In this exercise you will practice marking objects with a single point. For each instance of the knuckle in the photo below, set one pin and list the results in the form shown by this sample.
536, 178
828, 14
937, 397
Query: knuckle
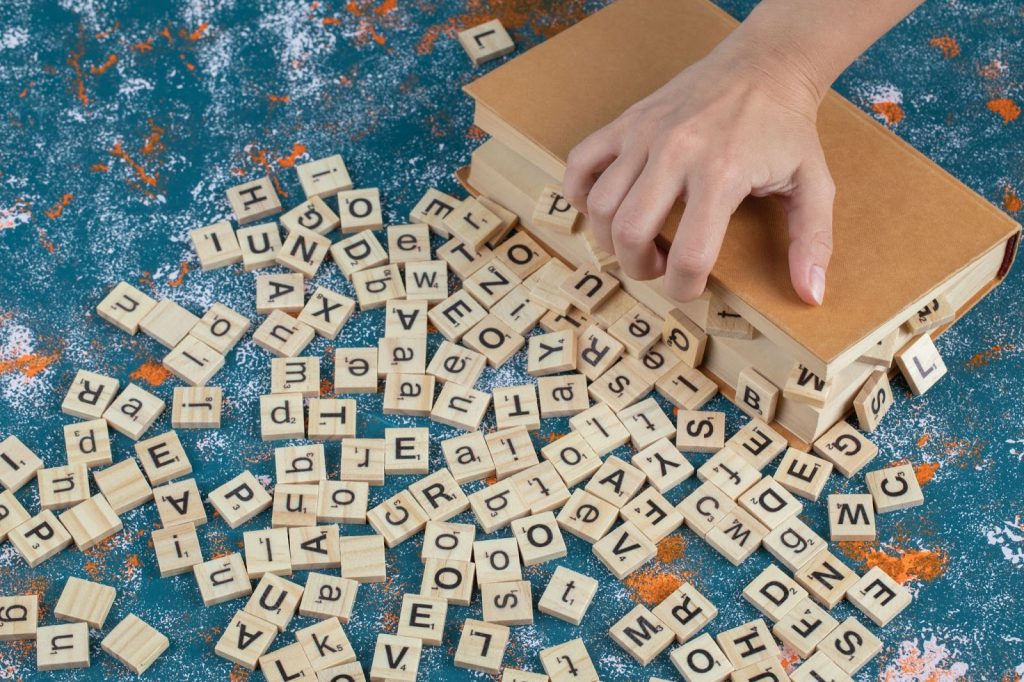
693, 262
628, 231
601, 205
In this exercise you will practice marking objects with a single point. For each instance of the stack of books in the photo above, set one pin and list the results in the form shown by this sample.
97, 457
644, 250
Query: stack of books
908, 237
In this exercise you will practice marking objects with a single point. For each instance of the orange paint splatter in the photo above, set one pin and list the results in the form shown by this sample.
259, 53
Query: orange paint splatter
902, 564
119, 152
281, 99
671, 548
57, 209
331, 21
99, 168
925, 472
385, 7
1007, 109
652, 585
75, 62
353, 9
30, 364
182, 271
24, 93
923, 440
947, 44
152, 372
166, 33
154, 141
1011, 201
298, 150
986, 356
326, 387
144, 46
105, 66
198, 33
475, 133
891, 112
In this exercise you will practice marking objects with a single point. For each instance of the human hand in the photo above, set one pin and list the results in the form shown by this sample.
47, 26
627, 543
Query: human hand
739, 122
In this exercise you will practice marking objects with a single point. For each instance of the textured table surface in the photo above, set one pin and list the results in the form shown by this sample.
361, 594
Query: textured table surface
123, 124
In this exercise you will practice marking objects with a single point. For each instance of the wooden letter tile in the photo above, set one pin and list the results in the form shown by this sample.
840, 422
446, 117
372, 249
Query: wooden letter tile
328, 596
83, 601
358, 252
568, 595
326, 645
624, 550
283, 335
245, 639
196, 407
819, 667
685, 387
89, 395
168, 323
456, 364
726, 322
177, 549
616, 482
396, 658
63, 487
222, 579
804, 626
398, 518
641, 634
482, 646
443, 540
803, 474
448, 579
125, 307
221, 328
638, 330
408, 243
846, 448
756, 396
850, 645
551, 353
793, 543
281, 416
554, 211
362, 558
280, 291
700, 431
324, 177
748, 644
497, 505
686, 611
472, 223
286, 664
20, 617
327, 312
377, 286
253, 200
539, 538
646, 422
423, 618
88, 443
267, 551
569, 660
39, 538
825, 578
355, 370
563, 396
935, 313
496, 561
587, 516
62, 647
12, 514
878, 596
894, 488
873, 400
240, 499
359, 209
342, 502
314, 547
769, 503
701, 660
509, 603
730, 472
494, 339
259, 245
294, 505
705, 507
133, 411
663, 465
456, 315
486, 41
313, 215
193, 362
275, 600
216, 246
921, 364
851, 517
180, 502
758, 443
736, 536
684, 337
652, 514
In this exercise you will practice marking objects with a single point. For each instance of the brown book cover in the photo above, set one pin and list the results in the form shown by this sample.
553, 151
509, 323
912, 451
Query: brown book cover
903, 226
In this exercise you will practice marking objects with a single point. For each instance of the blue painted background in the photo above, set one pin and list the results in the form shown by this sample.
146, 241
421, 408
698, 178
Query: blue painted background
123, 123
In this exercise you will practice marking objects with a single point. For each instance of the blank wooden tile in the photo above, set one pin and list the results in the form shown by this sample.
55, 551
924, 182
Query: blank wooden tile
456, 364
686, 611
275, 600
362, 558
135, 644
553, 210
313, 547
646, 422
177, 549
285, 664
663, 465
133, 411
246, 638
221, 328
551, 353
758, 443
376, 286
725, 322
497, 505
685, 387
652, 514
756, 396
769, 503
216, 246
193, 362
267, 551
850, 645
313, 214
259, 245
180, 502
624, 550
423, 618
700, 431
359, 252
803, 626
933, 314
90, 522
736, 536
894, 488
701, 660
12, 514
826, 578
294, 505
125, 307
253, 200
328, 596
362, 459
878, 596
282, 335
89, 395
342, 502
468, 457
300, 464
21, 617
873, 400
568, 595
168, 323
846, 448
482, 646
641, 634
569, 660
196, 407
803, 474
325, 644
398, 518
222, 579
494, 339
63, 487
705, 507
793, 543
539, 538
507, 603
819, 667
486, 41
281, 416
562, 396
587, 516
851, 518
496, 561
84, 601
396, 658
280, 291
240, 499
730, 472
684, 337
62, 647
748, 644
40, 538
88, 443
359, 209
324, 177
921, 364
327, 312
448, 579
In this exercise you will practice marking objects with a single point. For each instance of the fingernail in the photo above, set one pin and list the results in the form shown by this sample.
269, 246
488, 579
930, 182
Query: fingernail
818, 283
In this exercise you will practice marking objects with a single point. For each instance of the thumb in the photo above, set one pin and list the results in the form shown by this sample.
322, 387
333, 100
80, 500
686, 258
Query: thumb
809, 209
